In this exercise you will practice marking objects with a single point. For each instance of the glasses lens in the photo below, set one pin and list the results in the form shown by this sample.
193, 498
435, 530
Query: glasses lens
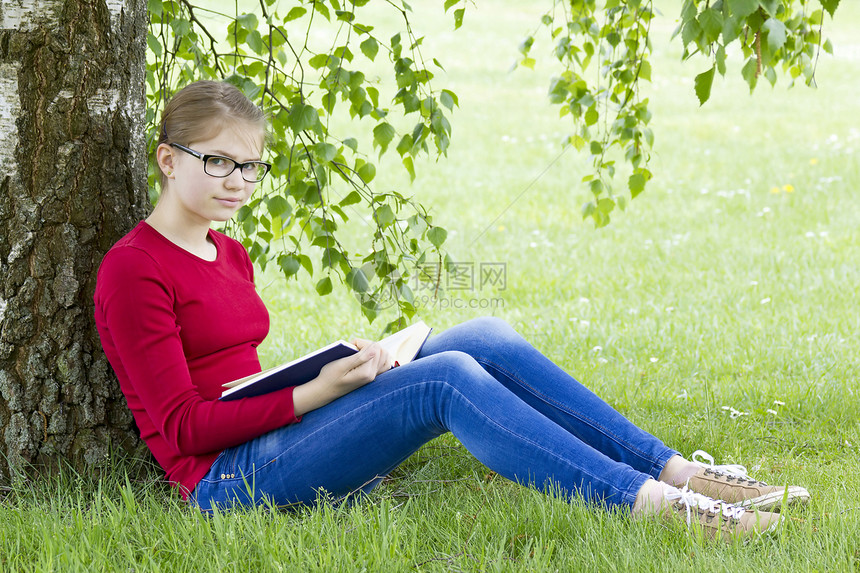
255, 171
219, 166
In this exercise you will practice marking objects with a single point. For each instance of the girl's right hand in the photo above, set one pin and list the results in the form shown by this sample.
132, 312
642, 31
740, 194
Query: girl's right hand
341, 377
359, 369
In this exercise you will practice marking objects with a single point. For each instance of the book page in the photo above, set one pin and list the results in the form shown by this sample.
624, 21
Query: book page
235, 383
403, 346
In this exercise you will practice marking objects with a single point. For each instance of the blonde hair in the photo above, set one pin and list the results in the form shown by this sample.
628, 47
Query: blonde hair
201, 110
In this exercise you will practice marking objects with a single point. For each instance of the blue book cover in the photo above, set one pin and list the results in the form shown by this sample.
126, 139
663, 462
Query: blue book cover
293, 373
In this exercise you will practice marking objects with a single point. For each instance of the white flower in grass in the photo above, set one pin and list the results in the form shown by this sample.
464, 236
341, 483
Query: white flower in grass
597, 349
765, 300
654, 359
733, 413
774, 412
778, 403
831, 179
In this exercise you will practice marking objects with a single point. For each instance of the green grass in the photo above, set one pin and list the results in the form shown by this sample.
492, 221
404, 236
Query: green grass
709, 292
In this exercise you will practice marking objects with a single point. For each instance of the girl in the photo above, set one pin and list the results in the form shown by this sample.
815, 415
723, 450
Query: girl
178, 316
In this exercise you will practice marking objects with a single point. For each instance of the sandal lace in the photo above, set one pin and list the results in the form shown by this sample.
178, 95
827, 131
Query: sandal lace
691, 500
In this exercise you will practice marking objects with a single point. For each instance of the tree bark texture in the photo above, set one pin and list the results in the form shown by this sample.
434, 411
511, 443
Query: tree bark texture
72, 182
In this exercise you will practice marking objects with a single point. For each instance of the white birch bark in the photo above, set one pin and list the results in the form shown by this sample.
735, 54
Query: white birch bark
72, 181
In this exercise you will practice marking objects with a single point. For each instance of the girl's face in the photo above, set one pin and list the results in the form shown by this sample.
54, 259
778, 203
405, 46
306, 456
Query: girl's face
198, 198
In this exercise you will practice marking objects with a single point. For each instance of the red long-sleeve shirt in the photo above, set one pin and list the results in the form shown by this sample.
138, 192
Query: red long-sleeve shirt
176, 327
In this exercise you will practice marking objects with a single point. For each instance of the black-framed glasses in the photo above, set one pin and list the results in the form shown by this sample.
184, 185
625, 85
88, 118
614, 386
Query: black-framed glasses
220, 166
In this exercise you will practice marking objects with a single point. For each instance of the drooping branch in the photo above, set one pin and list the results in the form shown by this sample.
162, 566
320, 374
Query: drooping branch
300, 210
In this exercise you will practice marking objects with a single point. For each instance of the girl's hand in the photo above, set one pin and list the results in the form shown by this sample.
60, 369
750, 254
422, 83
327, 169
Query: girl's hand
387, 363
359, 369
342, 377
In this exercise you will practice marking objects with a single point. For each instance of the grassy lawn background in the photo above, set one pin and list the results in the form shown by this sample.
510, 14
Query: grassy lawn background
729, 286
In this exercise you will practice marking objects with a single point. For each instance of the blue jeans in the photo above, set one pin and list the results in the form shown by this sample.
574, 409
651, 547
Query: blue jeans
510, 406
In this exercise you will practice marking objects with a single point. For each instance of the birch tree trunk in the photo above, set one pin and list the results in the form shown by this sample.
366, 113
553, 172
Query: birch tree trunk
72, 182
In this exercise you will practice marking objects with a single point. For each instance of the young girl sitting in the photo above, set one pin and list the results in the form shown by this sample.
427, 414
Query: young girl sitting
179, 316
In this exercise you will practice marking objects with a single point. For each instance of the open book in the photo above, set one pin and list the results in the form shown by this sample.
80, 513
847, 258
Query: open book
402, 346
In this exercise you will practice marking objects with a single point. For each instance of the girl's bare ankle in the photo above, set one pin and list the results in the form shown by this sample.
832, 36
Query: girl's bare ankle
651, 498
677, 471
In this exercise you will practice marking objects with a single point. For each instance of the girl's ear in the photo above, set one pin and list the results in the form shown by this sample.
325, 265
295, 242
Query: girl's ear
165, 157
